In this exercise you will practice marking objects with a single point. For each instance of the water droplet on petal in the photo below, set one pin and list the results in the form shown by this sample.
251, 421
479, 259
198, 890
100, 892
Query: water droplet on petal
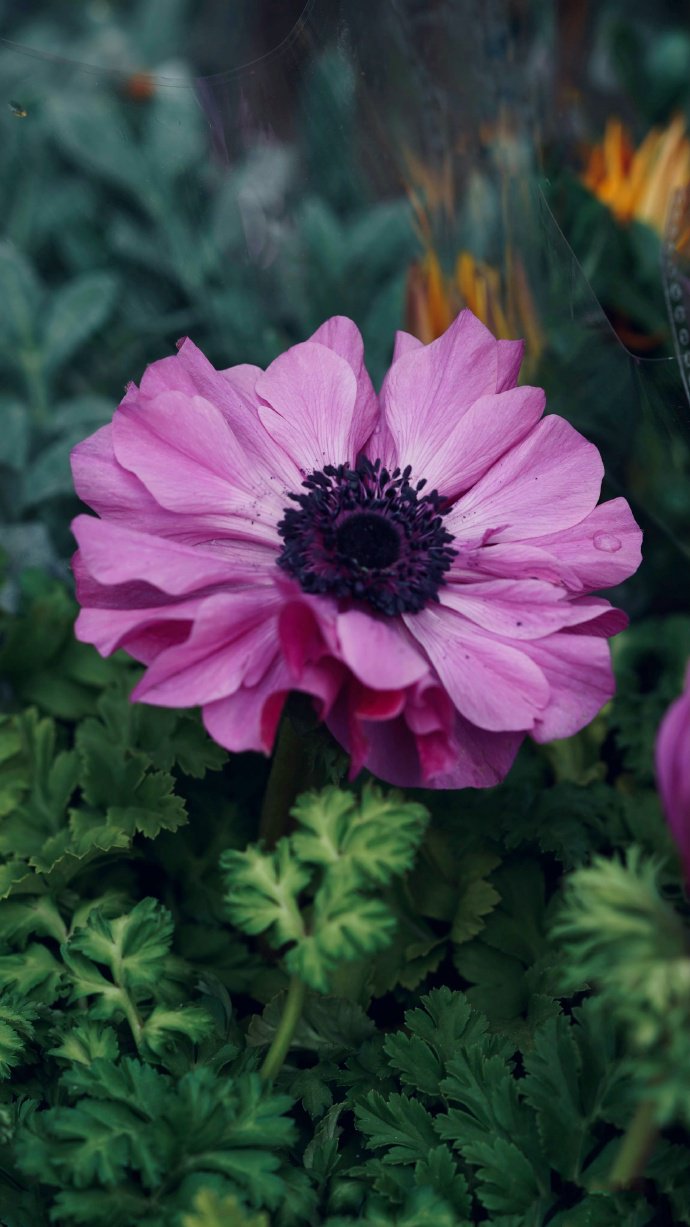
607, 542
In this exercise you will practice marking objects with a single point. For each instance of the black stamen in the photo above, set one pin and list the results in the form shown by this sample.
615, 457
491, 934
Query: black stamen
368, 534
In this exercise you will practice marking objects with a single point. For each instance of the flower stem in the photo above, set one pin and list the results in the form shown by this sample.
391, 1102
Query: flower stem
635, 1148
286, 777
286, 1029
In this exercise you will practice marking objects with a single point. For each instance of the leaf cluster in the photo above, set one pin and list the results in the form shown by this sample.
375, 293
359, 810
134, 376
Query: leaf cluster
316, 893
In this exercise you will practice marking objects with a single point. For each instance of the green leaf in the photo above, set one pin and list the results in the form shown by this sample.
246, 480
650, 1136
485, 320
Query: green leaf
166, 1028
330, 1026
423, 1208
263, 890
34, 972
343, 922
87, 1042
14, 433
573, 1078
95, 136
398, 1123
21, 293
17, 1018
212, 1210
34, 916
76, 311
346, 927
440, 1172
378, 837
133, 948
506, 1178
432, 1036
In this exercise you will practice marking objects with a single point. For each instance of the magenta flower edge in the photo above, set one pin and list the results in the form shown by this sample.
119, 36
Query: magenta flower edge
673, 771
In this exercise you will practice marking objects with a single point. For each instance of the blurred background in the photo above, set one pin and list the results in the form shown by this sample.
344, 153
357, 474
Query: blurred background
238, 171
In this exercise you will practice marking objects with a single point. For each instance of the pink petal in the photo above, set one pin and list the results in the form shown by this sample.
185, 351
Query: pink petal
248, 719
602, 550
516, 609
510, 355
112, 491
512, 560
343, 337
491, 426
232, 643
550, 481
492, 684
185, 453
159, 627
307, 629
233, 391
466, 757
310, 394
673, 771
430, 387
387, 749
378, 652
578, 670
115, 554
471, 758
595, 616
404, 343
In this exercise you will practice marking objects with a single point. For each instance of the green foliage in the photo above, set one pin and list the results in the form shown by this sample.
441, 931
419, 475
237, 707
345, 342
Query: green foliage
619, 934
342, 850
67, 800
140, 1135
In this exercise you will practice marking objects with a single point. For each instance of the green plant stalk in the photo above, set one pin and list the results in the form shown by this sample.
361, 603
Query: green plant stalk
282, 1039
286, 778
635, 1148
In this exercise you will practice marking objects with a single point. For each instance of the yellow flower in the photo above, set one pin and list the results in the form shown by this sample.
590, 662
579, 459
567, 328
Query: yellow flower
433, 299
639, 184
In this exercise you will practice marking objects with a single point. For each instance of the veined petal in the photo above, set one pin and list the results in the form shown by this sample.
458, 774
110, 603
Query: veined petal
233, 391
470, 758
672, 761
510, 355
232, 643
404, 343
550, 481
343, 336
580, 677
378, 652
116, 494
248, 719
309, 395
115, 554
429, 388
489, 428
186, 455
160, 626
491, 683
515, 609
602, 550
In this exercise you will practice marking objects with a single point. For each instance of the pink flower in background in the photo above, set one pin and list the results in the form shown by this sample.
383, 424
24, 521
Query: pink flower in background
419, 562
673, 771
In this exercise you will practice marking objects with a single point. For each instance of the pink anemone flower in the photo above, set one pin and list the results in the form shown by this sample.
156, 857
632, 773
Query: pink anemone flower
673, 771
420, 562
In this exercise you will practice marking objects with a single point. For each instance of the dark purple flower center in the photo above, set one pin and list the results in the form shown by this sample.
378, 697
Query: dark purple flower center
368, 534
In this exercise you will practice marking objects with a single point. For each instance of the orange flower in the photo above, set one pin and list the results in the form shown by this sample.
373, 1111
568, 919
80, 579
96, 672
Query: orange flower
433, 299
639, 184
